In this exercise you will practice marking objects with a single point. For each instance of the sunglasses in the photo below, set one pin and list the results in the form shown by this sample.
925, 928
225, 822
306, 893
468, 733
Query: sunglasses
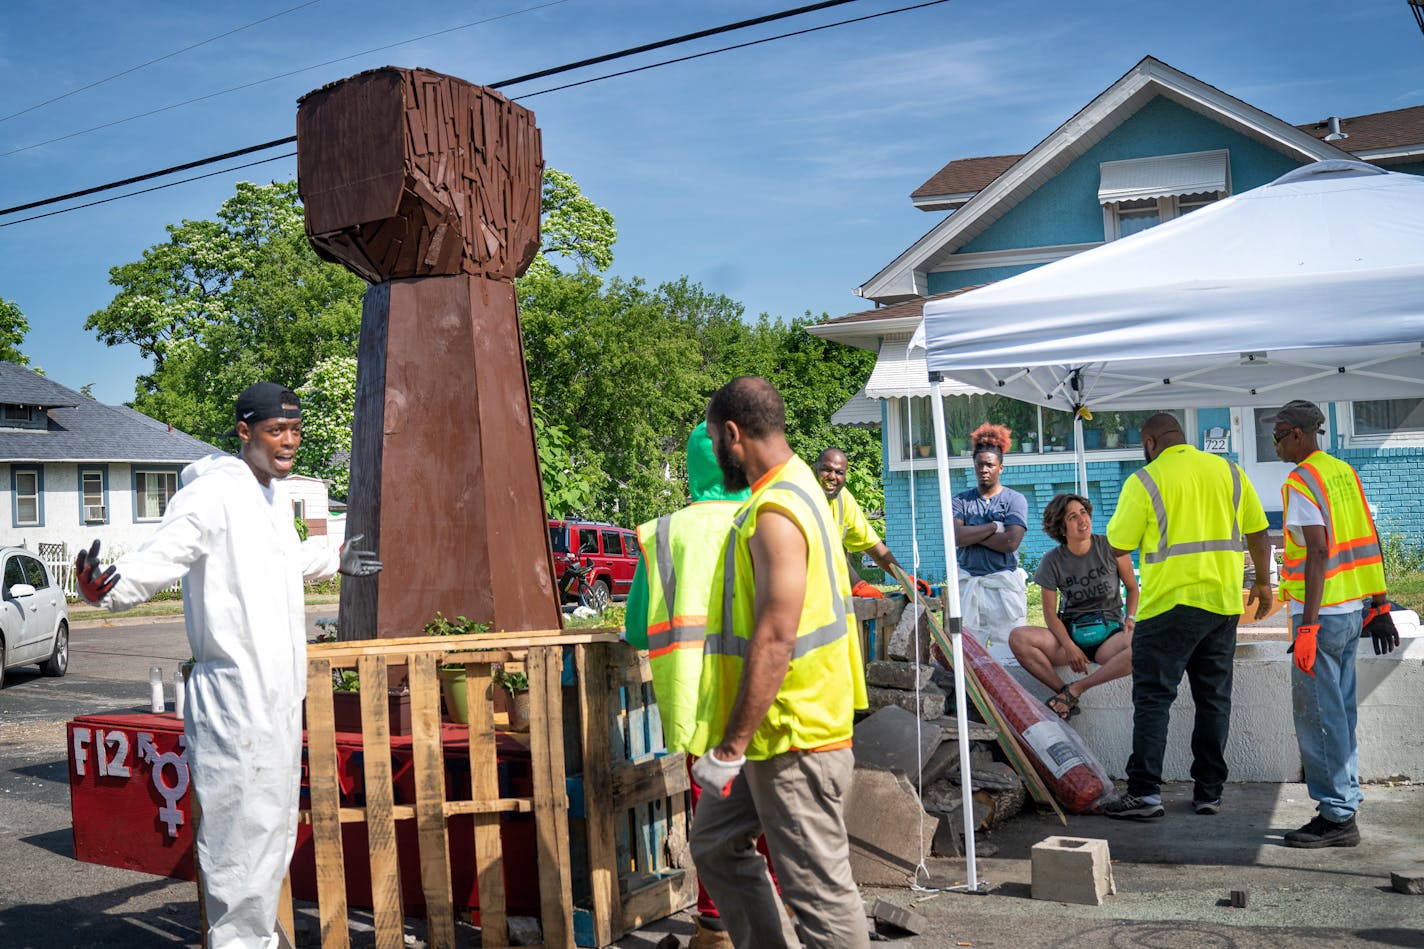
1277, 436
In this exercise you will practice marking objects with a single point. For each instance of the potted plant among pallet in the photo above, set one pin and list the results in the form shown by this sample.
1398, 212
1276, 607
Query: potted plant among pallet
452, 676
346, 694
516, 687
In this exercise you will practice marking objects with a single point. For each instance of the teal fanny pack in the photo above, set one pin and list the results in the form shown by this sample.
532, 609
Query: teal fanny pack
1092, 629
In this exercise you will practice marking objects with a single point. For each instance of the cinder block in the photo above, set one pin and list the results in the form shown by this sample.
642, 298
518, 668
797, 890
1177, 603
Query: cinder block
1072, 870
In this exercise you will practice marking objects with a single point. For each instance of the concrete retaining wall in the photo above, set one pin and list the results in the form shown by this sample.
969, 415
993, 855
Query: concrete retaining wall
1262, 745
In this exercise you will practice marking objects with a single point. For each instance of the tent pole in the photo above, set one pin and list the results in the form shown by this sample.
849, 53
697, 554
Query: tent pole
1080, 454
953, 612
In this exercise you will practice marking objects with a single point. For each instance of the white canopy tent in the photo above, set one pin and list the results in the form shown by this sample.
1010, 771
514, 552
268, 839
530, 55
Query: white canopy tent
1311, 286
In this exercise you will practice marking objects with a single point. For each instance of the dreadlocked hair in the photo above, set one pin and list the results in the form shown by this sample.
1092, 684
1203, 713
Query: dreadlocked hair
991, 437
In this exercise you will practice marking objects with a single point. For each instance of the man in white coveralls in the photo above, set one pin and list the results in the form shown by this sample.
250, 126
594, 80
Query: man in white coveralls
228, 533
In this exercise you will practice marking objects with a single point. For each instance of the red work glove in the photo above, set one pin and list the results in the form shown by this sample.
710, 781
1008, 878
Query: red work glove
1379, 626
93, 584
1304, 647
922, 586
866, 590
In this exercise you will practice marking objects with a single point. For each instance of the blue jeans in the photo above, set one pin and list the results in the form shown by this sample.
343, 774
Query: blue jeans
1324, 706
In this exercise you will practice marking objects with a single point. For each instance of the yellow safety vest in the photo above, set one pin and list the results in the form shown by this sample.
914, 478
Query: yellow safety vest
852, 526
680, 552
825, 683
1355, 568
1192, 543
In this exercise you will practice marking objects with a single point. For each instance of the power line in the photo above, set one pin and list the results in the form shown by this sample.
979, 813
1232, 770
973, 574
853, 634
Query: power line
548, 72
130, 194
157, 59
726, 49
258, 82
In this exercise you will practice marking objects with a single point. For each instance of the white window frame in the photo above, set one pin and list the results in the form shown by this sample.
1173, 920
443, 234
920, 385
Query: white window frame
1345, 424
898, 462
138, 475
37, 496
1168, 207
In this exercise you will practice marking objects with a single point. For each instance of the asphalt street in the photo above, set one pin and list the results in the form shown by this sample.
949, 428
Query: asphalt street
1173, 875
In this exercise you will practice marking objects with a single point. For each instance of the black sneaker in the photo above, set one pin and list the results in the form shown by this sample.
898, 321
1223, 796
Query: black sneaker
1207, 807
1322, 832
1132, 807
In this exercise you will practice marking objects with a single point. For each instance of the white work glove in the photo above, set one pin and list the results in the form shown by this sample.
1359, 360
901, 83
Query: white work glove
358, 563
715, 775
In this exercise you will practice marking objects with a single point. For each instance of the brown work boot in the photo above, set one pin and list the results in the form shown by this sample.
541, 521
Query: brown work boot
712, 936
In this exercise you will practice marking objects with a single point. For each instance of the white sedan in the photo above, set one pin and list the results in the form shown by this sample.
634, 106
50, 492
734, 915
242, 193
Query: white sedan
34, 623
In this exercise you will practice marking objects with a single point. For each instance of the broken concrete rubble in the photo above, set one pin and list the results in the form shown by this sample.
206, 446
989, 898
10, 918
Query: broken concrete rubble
886, 826
892, 739
928, 704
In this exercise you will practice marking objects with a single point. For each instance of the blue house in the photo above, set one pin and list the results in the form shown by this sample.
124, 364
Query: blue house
1155, 145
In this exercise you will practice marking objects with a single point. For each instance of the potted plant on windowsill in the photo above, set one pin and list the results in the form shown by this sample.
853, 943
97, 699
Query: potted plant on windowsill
516, 686
452, 675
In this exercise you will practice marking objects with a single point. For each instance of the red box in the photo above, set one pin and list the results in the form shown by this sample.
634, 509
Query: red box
128, 793
129, 783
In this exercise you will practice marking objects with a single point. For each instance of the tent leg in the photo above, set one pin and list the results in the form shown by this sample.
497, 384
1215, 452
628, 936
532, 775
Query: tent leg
953, 611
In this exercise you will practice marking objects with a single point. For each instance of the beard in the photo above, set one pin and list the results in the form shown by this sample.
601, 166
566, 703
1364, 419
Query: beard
733, 477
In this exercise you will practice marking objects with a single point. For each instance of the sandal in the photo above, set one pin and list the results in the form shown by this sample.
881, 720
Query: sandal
1063, 703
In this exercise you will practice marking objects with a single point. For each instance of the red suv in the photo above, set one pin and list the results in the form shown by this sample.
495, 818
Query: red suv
613, 550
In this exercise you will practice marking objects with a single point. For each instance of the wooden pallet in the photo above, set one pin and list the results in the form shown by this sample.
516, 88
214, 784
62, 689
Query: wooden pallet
544, 655
635, 813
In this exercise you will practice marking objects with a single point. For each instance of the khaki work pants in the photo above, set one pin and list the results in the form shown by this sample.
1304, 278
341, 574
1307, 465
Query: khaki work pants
798, 800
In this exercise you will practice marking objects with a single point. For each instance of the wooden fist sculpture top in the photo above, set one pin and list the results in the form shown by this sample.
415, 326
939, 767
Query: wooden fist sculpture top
411, 173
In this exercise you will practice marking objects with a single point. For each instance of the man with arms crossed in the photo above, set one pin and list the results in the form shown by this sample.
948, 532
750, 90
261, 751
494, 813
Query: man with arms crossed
228, 533
782, 677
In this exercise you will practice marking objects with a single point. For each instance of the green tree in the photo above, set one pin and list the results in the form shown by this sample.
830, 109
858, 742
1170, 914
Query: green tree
223, 303
328, 406
13, 329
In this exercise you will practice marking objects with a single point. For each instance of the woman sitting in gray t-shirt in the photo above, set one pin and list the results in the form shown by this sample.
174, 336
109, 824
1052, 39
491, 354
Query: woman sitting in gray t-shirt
1082, 605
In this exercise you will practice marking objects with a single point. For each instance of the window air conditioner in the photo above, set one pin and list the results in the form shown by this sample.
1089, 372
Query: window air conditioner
93, 512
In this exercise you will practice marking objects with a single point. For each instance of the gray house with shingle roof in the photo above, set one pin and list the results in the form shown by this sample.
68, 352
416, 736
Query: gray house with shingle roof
79, 469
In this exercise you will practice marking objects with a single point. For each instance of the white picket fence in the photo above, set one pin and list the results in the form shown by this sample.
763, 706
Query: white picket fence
60, 561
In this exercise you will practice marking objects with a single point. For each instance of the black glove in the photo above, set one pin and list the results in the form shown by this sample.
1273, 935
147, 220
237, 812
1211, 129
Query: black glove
356, 563
93, 584
1379, 626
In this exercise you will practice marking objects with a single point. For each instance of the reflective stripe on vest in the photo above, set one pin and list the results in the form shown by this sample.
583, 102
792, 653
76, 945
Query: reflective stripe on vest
678, 632
1342, 555
1235, 544
1354, 565
728, 643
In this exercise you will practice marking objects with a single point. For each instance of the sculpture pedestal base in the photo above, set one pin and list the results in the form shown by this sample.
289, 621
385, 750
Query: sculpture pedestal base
444, 470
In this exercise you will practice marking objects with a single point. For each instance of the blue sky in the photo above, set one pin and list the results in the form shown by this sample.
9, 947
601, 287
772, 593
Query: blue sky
778, 175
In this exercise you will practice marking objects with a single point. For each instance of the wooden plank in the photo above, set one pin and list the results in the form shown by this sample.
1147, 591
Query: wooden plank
551, 801
386, 901
509, 805
325, 800
645, 781
286, 920
657, 900
441, 645
484, 789
428, 757
592, 660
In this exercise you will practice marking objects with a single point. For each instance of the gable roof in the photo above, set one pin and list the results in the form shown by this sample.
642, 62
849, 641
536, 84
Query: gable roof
1396, 135
83, 430
1146, 81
